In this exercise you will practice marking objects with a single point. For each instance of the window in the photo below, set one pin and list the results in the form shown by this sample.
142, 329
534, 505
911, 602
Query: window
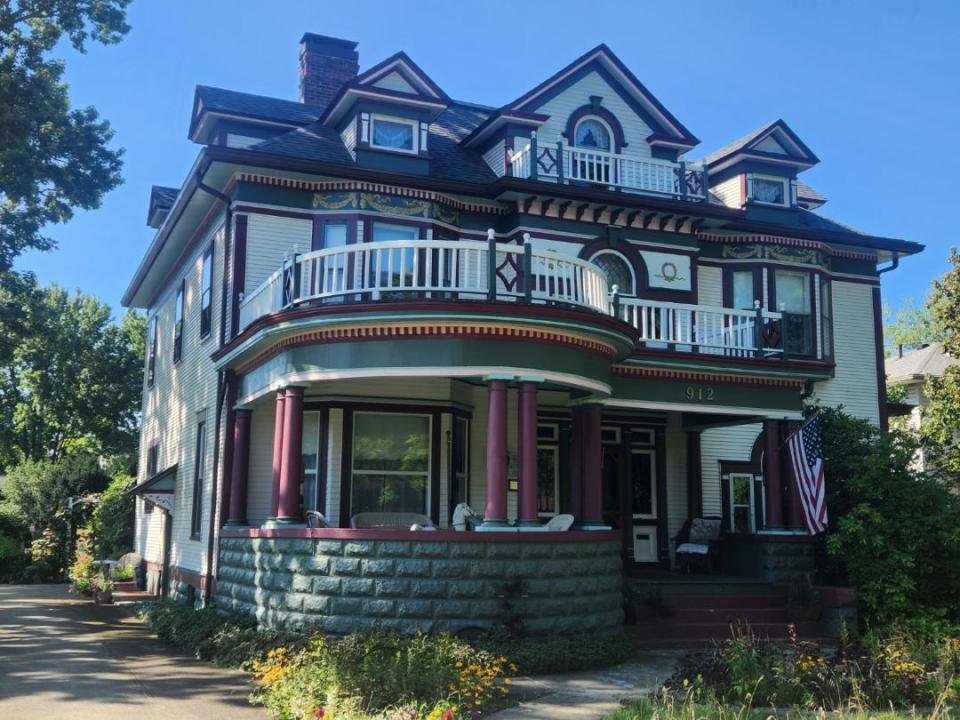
742, 514
331, 269
178, 325
768, 190
196, 517
643, 485
826, 315
391, 463
151, 351
153, 455
206, 293
743, 289
592, 133
310, 452
548, 480
618, 272
393, 268
793, 299
393, 134
460, 455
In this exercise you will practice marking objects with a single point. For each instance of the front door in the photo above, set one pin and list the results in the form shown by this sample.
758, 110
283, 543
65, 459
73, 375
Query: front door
630, 497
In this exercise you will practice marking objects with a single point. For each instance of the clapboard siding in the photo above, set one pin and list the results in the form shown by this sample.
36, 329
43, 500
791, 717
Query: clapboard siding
733, 443
495, 157
269, 239
349, 137
728, 191
710, 286
260, 472
182, 396
635, 130
855, 383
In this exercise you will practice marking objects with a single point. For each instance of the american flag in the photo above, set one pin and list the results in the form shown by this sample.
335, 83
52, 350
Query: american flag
806, 457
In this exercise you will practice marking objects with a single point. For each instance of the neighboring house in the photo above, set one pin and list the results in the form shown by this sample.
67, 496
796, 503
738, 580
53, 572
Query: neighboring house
910, 371
382, 299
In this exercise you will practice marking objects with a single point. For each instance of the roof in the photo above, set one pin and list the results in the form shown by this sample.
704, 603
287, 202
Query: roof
249, 105
916, 365
164, 482
805, 192
743, 145
163, 196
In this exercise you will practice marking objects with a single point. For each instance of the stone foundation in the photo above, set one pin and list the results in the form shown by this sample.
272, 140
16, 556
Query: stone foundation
785, 560
556, 582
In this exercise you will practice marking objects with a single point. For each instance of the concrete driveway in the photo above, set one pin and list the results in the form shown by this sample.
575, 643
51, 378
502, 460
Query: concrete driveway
62, 657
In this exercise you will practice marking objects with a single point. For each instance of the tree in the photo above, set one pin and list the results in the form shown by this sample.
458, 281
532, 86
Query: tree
913, 326
72, 378
53, 158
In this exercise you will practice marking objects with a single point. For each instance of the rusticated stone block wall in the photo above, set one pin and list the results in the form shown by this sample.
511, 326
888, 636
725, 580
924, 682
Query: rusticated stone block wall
343, 585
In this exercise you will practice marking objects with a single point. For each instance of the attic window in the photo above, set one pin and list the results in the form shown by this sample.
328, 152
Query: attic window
593, 133
770, 190
391, 133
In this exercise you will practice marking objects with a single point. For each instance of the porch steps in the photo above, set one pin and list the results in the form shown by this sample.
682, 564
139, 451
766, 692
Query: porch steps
700, 620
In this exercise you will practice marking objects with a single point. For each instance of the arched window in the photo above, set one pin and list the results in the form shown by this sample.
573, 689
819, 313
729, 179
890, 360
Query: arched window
618, 271
591, 132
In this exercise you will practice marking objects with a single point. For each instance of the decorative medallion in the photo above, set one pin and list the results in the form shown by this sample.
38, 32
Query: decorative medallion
335, 201
742, 252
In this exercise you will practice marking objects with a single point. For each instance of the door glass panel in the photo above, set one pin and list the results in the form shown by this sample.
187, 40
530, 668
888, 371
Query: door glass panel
643, 488
391, 462
393, 268
741, 503
311, 457
547, 480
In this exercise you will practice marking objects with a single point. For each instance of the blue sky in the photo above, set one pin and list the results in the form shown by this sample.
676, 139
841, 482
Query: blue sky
870, 86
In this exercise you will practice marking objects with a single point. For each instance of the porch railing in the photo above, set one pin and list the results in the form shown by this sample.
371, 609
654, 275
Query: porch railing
703, 328
437, 269
563, 163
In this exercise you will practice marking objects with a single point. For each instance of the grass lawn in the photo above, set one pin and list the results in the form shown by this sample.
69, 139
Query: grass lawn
658, 709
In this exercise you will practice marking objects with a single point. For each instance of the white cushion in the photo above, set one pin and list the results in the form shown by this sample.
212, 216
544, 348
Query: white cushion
693, 549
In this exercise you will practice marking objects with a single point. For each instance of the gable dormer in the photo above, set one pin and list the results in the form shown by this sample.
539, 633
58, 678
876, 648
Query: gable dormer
384, 115
761, 169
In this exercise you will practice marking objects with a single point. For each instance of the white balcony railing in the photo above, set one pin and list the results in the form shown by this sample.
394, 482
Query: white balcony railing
438, 269
462, 270
704, 328
563, 163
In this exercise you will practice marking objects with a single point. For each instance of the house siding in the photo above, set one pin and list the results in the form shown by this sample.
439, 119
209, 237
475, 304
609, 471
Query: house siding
269, 239
496, 158
733, 443
728, 191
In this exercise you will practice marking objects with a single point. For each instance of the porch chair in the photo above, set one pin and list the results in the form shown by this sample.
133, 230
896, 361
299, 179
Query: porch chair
559, 523
464, 518
390, 521
316, 520
698, 543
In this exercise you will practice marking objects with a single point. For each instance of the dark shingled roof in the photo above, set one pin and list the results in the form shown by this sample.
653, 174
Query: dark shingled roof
810, 219
735, 145
311, 142
805, 192
163, 196
261, 106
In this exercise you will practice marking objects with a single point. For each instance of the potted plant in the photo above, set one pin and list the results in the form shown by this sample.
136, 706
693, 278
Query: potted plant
123, 579
104, 590
83, 585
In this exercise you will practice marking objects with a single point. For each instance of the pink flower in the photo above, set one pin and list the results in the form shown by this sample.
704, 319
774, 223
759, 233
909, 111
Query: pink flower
320, 712
448, 715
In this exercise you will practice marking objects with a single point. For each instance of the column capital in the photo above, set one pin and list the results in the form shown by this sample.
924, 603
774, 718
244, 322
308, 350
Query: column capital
502, 377
532, 379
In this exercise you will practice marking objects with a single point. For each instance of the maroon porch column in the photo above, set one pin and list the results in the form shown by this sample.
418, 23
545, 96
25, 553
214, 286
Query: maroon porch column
592, 459
291, 470
576, 463
495, 513
239, 468
277, 453
794, 512
772, 479
527, 455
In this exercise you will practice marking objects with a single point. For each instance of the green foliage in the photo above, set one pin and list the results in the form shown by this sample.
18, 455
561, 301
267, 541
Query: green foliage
898, 669
913, 326
53, 158
38, 490
112, 519
70, 378
82, 569
123, 574
560, 653
894, 531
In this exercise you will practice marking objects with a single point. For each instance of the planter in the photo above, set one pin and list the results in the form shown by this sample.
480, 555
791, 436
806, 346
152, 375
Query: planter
125, 586
104, 597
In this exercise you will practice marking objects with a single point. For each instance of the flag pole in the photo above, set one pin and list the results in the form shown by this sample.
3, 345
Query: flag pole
806, 422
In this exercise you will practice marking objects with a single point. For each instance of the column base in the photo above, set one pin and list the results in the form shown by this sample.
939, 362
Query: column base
591, 525
529, 523
495, 526
235, 525
273, 523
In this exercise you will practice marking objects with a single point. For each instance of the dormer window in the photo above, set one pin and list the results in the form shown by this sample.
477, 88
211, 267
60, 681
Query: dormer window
766, 189
393, 133
593, 133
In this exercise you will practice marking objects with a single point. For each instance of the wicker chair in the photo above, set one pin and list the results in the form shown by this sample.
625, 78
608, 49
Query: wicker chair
698, 543
316, 520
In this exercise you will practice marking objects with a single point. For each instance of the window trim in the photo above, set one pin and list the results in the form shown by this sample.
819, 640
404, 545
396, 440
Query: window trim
206, 308
152, 352
811, 316
199, 470
586, 148
430, 461
179, 311
654, 515
414, 129
751, 506
316, 502
784, 182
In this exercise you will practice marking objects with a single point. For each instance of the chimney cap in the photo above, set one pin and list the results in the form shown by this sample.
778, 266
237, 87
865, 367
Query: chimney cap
331, 46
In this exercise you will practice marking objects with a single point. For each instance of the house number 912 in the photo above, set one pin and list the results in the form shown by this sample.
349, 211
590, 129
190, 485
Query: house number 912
701, 394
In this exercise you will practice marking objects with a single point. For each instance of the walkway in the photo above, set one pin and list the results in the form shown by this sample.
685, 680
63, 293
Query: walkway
590, 695
62, 657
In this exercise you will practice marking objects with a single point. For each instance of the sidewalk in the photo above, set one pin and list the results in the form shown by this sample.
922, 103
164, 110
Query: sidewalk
589, 695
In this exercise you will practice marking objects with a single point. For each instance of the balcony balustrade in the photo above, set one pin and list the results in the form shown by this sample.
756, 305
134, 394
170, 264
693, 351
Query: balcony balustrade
465, 270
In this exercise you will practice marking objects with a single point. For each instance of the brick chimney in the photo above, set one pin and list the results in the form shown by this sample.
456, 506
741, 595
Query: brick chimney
326, 63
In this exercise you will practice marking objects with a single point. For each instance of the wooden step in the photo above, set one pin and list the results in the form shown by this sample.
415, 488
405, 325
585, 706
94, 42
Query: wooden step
662, 634
727, 615
762, 600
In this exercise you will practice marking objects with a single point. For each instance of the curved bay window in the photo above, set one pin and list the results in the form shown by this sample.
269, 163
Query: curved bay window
618, 272
390, 463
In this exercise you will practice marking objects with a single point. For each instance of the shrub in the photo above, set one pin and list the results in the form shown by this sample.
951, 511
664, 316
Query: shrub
560, 653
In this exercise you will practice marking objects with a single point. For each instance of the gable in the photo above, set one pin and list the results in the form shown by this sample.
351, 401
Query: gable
768, 144
396, 82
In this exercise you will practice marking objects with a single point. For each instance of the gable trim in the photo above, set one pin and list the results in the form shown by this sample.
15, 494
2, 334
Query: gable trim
409, 70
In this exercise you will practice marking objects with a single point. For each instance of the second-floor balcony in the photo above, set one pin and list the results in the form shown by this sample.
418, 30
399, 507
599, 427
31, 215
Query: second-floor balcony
565, 164
467, 270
